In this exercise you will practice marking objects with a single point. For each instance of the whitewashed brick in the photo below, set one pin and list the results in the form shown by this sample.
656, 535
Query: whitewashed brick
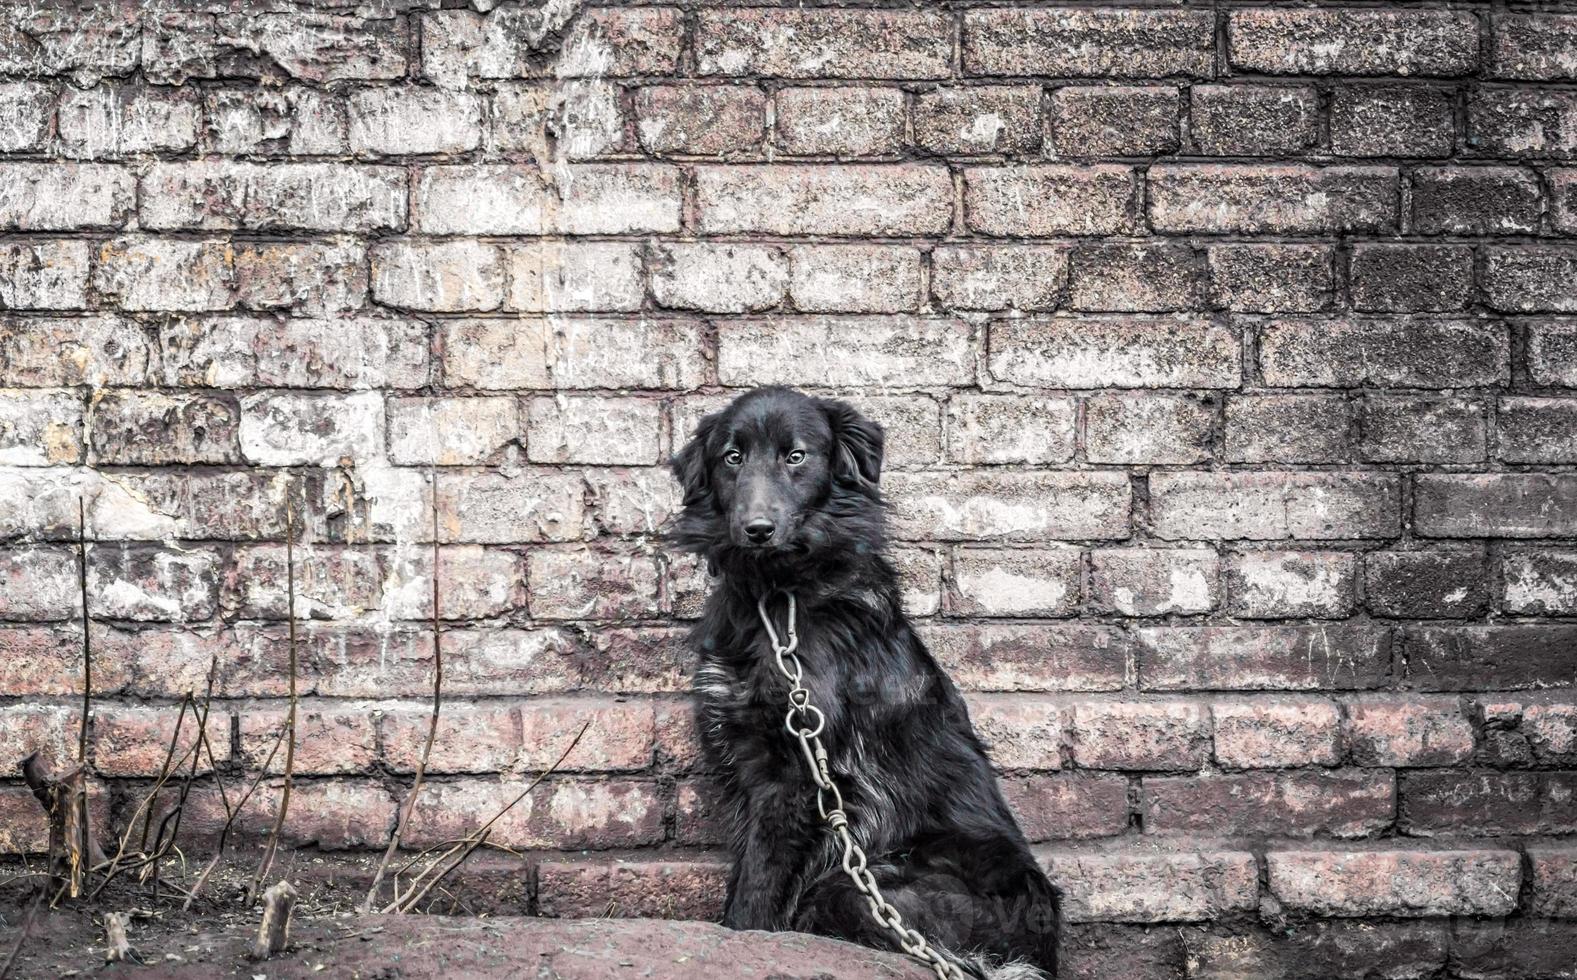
444, 276
450, 431
142, 273
1010, 429
414, 120
287, 429
588, 199
43, 275
719, 278
855, 278
593, 429
1001, 582
120, 120
574, 277
40, 427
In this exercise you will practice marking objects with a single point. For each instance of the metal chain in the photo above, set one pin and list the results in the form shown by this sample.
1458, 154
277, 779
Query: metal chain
806, 722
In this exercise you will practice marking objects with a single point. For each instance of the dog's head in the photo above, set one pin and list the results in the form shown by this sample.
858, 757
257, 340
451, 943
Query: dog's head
779, 475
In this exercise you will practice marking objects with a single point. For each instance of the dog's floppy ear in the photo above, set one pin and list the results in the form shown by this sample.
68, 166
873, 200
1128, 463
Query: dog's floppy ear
856, 444
689, 464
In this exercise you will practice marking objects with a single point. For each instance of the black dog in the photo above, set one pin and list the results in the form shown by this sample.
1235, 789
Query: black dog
780, 496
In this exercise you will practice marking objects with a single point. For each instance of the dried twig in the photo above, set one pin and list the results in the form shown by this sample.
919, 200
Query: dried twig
87, 644
230, 817
145, 807
79, 845
475, 839
414, 900
290, 721
117, 947
162, 844
274, 931
432, 726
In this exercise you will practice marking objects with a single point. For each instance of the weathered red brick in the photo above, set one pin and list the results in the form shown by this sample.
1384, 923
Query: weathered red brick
1011, 429
586, 584
1275, 733
1115, 352
719, 278
1185, 886
644, 889
1269, 506
1166, 735
1353, 42
561, 813
1396, 882
1474, 200
1270, 278
1030, 657
1523, 123
1412, 353
1339, 803
978, 119
1153, 581
1280, 199
1379, 121
1487, 803
1536, 46
329, 738
1426, 584
593, 429
572, 352
224, 195
1135, 278
1068, 806
1019, 732
1076, 42
855, 278
1113, 120
1253, 120
44, 275
1289, 584
1008, 505
1508, 505
64, 197
831, 43
1022, 277
997, 582
458, 45
1147, 428
811, 350
1506, 657
1258, 658
856, 121
827, 199
707, 120
1288, 429
135, 741
1407, 278
1049, 199
507, 199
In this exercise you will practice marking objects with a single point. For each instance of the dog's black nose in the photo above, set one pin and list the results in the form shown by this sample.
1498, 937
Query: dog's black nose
759, 531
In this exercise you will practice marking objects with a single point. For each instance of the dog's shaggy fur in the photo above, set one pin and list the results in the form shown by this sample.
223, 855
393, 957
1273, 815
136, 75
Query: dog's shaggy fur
780, 494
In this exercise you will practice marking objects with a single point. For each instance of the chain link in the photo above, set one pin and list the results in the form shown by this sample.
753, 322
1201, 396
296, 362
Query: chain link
806, 723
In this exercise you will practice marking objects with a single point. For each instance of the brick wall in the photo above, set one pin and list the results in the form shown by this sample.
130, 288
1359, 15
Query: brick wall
1232, 416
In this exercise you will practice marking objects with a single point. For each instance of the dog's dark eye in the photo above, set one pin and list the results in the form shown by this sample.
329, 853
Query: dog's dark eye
796, 457
733, 457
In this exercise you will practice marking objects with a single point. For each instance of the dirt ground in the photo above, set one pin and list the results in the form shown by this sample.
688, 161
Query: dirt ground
362, 947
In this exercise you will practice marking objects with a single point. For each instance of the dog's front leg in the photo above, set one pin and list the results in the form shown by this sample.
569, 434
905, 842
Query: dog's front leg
768, 876
762, 890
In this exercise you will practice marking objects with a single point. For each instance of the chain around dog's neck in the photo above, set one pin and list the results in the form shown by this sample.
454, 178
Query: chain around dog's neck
806, 723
